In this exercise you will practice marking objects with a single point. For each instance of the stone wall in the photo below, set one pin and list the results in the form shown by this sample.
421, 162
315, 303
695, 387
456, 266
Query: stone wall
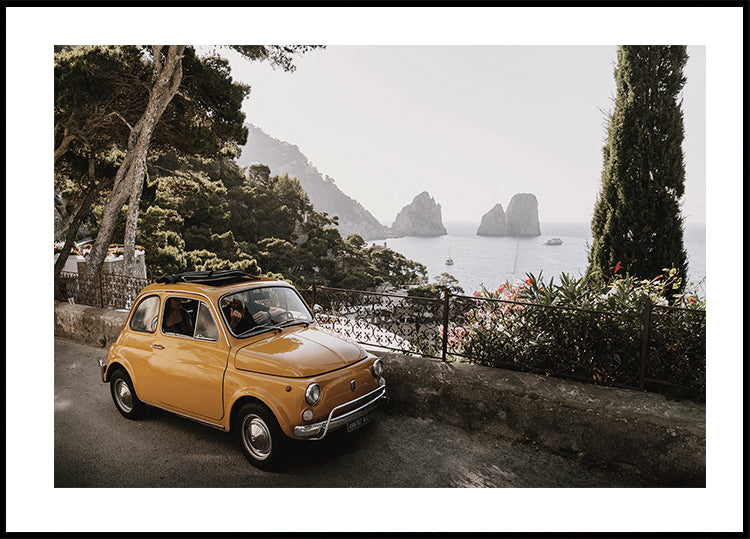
663, 441
644, 433
88, 325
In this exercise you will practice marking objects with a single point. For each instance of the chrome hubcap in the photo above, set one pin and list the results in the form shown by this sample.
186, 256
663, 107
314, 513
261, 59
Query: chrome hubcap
124, 397
257, 437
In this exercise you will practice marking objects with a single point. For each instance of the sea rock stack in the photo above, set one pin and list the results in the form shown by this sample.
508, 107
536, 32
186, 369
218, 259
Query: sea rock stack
493, 222
522, 217
423, 217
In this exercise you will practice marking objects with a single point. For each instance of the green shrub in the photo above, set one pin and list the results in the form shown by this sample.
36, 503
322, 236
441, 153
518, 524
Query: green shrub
584, 330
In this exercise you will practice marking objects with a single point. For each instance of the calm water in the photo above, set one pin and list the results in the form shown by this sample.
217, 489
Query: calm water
492, 261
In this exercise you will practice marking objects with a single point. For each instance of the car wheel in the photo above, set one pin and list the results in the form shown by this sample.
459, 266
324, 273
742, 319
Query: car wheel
123, 393
260, 436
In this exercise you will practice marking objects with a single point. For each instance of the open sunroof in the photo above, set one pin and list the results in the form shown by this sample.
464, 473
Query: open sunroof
211, 278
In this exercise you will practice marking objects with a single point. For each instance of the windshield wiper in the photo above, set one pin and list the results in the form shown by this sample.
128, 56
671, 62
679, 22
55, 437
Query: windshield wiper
256, 329
292, 323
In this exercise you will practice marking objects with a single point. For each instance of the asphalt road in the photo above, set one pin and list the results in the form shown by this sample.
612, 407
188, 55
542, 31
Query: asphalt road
96, 447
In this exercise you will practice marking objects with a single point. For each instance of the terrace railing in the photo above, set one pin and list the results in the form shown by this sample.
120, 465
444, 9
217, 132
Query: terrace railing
659, 349
105, 290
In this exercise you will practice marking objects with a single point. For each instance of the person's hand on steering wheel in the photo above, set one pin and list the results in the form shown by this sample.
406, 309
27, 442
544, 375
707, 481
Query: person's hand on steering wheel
261, 317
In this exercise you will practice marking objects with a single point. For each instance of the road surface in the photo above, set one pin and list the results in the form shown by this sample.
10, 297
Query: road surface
94, 446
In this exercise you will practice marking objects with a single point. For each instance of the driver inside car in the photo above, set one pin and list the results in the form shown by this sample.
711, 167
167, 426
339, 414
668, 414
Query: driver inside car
244, 315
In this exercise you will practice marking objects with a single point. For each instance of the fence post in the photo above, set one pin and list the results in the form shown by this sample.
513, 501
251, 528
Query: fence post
645, 339
313, 297
446, 306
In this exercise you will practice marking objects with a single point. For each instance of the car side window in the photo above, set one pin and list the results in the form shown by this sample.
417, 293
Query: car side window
145, 315
179, 316
205, 326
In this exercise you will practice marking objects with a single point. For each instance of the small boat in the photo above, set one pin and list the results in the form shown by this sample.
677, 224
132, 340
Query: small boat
449, 261
553, 241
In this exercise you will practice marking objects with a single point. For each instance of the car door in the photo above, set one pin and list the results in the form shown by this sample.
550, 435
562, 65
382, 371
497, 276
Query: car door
187, 371
136, 342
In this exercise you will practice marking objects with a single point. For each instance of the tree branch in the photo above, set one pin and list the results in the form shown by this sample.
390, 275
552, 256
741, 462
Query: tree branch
64, 145
157, 59
123, 119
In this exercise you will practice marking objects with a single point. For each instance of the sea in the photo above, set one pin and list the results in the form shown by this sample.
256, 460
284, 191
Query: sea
480, 261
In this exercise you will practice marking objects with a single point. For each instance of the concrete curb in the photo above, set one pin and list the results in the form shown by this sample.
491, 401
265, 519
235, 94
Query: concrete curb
663, 441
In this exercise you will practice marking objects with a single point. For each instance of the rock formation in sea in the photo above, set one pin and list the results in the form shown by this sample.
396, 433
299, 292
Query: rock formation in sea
423, 217
493, 222
283, 157
522, 217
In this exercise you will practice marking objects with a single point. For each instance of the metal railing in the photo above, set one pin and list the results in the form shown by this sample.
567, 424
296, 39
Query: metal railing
633, 350
105, 290
660, 348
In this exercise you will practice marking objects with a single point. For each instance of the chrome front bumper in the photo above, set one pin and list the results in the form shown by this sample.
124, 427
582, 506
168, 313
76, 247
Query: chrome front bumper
317, 431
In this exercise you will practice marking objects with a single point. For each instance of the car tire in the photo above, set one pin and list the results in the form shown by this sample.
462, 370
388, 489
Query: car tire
124, 396
260, 436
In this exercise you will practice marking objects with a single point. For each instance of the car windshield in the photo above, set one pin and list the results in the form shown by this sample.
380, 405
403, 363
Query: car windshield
258, 309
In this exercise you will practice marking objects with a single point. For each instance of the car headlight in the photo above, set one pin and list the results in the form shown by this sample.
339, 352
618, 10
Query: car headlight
312, 394
377, 368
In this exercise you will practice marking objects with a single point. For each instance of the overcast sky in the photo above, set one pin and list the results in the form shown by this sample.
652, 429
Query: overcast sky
508, 121
472, 125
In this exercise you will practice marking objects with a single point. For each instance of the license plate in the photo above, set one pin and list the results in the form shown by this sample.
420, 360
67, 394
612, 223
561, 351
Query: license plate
354, 425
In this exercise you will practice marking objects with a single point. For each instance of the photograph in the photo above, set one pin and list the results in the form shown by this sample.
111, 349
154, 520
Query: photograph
457, 250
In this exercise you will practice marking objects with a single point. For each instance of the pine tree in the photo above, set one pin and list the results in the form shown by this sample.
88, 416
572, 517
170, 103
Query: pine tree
637, 223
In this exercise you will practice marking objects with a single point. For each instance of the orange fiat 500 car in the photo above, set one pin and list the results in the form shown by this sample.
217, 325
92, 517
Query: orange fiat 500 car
241, 353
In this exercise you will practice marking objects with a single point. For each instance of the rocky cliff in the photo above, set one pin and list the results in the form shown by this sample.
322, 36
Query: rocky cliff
522, 217
423, 217
282, 157
493, 222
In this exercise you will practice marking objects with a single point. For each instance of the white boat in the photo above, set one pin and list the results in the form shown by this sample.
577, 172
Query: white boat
449, 261
553, 241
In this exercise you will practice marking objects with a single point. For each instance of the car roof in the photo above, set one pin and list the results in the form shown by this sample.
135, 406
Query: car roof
211, 288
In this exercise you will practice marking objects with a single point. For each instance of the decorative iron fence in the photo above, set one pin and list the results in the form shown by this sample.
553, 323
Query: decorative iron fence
390, 321
659, 349
676, 340
105, 290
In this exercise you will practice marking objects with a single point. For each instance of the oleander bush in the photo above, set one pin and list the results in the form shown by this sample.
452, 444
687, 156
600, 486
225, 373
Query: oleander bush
584, 330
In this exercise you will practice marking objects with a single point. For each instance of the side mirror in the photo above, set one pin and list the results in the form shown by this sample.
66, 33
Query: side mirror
317, 309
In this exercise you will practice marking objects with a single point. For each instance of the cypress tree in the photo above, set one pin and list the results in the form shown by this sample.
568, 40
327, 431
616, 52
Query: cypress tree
637, 223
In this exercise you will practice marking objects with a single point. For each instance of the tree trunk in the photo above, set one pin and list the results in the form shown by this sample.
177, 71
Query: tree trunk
120, 193
131, 224
129, 178
78, 216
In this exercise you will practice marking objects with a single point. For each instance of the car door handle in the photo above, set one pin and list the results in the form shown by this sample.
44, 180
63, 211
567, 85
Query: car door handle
157, 347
